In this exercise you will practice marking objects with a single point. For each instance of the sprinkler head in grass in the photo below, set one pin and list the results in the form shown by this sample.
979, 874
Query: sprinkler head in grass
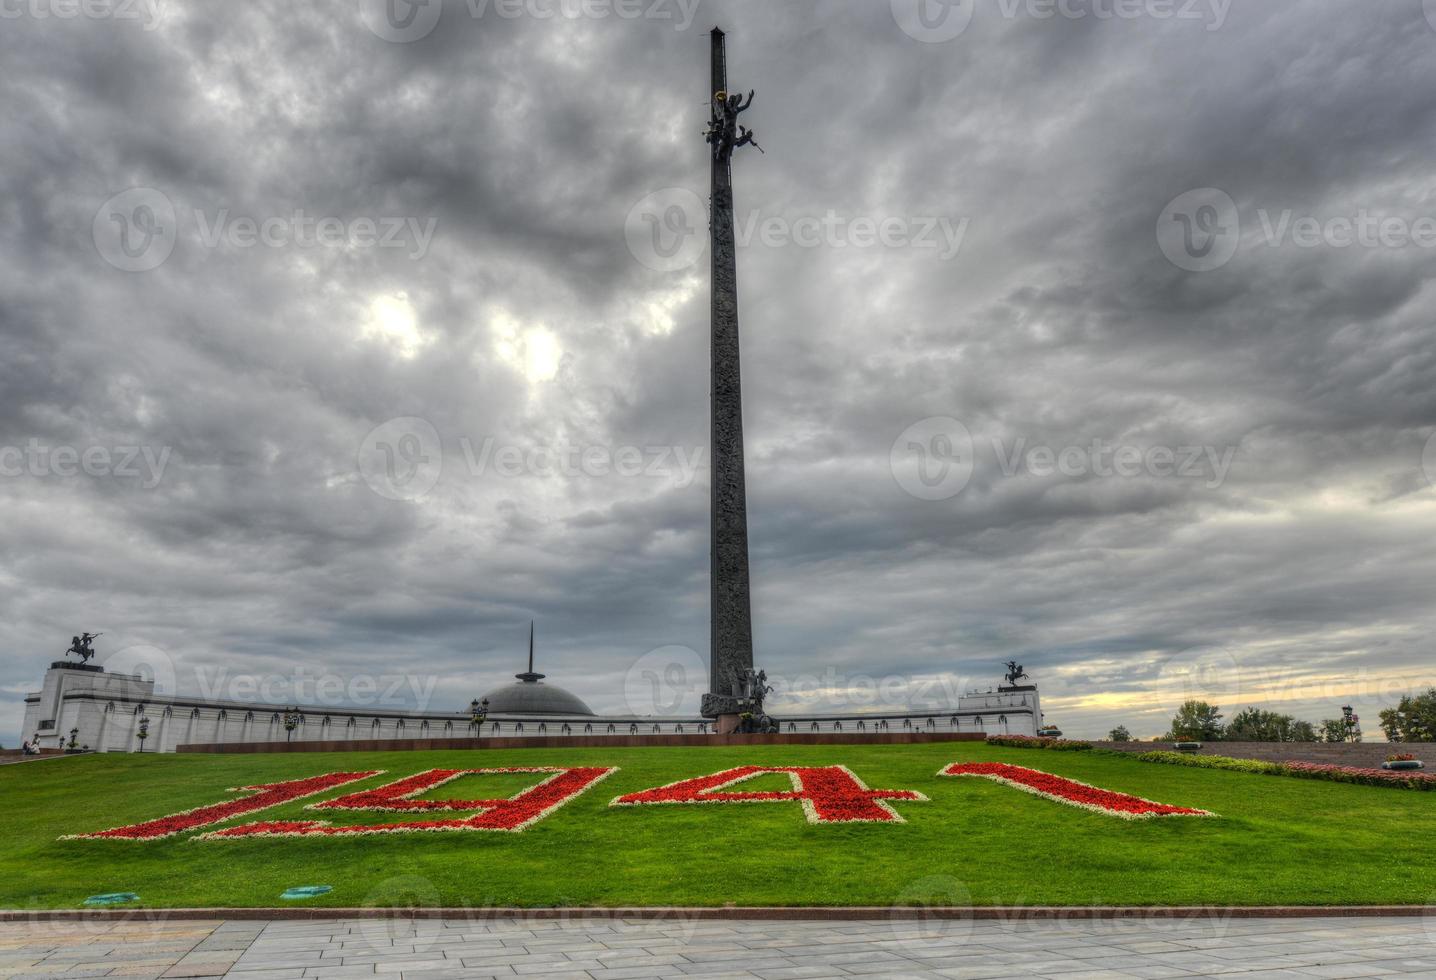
113, 898
306, 891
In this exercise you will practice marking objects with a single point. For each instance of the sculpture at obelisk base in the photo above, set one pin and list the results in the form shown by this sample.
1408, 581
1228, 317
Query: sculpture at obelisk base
731, 682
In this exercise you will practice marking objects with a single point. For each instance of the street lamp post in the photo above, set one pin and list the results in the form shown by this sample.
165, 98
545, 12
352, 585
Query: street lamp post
1353, 723
144, 731
292, 718
74, 738
478, 713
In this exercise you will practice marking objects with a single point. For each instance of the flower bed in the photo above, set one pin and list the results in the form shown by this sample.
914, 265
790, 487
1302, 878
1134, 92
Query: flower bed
1363, 777
1028, 742
266, 796
513, 814
1069, 791
829, 794
1301, 770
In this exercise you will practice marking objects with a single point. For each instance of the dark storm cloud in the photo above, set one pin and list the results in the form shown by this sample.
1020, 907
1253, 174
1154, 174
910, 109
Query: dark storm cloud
1285, 565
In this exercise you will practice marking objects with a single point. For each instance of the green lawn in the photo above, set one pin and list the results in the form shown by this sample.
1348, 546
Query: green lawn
1276, 841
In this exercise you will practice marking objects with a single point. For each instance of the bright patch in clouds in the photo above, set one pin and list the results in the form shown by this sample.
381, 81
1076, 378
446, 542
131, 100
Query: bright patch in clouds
393, 321
657, 310
533, 351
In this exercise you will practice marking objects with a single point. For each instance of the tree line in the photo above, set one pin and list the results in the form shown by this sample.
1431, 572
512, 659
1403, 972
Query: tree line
1412, 720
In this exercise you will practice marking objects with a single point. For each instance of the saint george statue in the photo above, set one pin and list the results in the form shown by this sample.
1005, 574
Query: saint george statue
82, 646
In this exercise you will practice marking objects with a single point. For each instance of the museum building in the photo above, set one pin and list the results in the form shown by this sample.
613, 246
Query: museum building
106, 712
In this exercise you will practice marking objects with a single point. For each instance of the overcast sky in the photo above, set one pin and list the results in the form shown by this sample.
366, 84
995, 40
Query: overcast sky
340, 342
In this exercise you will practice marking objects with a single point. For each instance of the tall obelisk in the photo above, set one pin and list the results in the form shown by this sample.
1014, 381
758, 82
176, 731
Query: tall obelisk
731, 653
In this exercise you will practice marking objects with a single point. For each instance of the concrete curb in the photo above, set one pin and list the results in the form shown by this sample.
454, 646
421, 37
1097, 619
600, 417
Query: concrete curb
1035, 913
42, 758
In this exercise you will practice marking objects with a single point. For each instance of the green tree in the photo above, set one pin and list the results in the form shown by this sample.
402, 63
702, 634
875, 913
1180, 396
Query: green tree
1119, 734
1421, 717
1413, 720
1391, 723
1333, 729
1196, 721
1257, 725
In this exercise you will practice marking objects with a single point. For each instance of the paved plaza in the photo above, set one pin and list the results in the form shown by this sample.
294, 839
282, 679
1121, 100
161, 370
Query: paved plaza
603, 949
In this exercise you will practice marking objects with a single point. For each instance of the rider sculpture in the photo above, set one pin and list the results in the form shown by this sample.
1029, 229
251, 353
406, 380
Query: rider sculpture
82, 646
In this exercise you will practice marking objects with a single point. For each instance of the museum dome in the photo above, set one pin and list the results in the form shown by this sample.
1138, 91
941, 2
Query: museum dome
534, 697
531, 696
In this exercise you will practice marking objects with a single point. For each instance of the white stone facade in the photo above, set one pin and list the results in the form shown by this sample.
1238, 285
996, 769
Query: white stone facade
106, 709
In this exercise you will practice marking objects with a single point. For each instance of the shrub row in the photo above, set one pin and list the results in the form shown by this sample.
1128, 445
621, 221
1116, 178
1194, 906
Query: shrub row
1214, 762
1028, 742
1301, 770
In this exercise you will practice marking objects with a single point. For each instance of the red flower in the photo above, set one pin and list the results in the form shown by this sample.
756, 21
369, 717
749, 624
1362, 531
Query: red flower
512, 814
1353, 774
829, 794
265, 797
1070, 791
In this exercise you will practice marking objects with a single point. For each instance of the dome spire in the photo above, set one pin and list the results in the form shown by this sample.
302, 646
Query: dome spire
528, 697
529, 677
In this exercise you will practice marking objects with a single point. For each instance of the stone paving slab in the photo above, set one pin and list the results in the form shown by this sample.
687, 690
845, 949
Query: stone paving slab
640, 949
